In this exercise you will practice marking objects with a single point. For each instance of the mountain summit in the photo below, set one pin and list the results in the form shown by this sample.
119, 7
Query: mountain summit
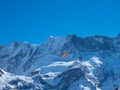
91, 63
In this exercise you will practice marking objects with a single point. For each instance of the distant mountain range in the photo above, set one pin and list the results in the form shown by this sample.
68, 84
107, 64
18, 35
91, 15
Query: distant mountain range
91, 63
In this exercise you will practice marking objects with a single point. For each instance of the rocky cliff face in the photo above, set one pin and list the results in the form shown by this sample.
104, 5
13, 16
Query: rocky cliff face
91, 62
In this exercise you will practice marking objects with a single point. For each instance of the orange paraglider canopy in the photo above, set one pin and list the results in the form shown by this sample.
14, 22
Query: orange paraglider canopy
64, 55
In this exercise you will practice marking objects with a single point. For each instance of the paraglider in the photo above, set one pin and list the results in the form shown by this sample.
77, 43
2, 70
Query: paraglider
64, 55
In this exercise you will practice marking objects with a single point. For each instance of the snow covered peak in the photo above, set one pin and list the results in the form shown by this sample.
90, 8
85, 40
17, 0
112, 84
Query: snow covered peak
15, 44
10, 81
71, 36
24, 55
118, 36
89, 64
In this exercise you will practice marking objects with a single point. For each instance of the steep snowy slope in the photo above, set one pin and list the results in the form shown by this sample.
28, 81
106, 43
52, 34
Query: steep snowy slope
92, 63
91, 74
14, 82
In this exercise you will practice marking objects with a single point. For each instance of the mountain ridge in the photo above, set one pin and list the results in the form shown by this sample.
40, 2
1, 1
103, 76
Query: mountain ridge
96, 59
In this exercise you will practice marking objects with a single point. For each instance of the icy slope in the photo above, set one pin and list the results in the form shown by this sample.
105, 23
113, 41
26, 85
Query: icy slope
14, 82
53, 78
92, 74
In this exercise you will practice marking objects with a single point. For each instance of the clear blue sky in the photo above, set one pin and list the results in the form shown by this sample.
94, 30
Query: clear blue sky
35, 20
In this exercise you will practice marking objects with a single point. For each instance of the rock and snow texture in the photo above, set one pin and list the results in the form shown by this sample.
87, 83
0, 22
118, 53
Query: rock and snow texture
14, 82
92, 63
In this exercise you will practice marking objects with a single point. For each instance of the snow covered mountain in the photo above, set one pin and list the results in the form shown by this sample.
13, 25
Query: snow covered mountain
92, 63
14, 82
